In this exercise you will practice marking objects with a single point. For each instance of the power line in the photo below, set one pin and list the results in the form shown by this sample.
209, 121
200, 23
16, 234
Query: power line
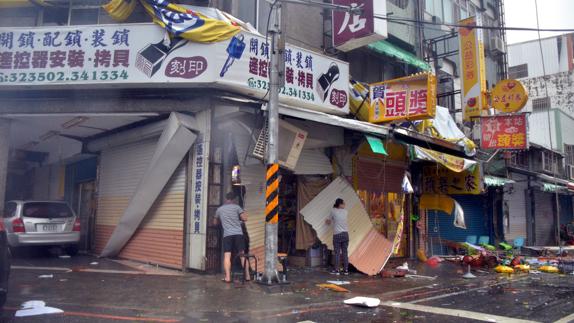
415, 21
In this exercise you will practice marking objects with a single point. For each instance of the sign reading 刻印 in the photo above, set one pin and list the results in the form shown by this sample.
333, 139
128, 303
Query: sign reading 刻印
139, 55
504, 132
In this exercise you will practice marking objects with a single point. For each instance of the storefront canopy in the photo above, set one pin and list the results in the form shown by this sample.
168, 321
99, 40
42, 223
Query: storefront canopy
495, 181
388, 49
361, 126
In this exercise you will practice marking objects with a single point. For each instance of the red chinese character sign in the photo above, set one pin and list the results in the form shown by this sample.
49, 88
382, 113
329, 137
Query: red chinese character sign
354, 29
509, 96
504, 132
407, 98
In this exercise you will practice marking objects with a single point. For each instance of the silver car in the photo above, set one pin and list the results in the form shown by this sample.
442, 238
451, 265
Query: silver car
41, 223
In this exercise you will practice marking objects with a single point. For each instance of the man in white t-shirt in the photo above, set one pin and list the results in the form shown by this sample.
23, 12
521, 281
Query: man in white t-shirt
338, 218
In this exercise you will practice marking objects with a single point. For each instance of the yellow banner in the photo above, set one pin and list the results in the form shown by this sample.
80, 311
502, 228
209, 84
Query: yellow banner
473, 72
440, 180
407, 98
455, 164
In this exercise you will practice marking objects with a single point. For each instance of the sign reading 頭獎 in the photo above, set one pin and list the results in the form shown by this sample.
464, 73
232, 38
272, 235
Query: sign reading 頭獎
141, 55
407, 98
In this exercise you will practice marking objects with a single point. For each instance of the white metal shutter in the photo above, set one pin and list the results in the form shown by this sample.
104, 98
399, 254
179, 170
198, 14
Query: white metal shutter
159, 239
253, 177
516, 203
313, 162
544, 219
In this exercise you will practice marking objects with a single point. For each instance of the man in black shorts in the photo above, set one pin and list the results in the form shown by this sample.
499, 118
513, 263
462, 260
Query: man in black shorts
231, 215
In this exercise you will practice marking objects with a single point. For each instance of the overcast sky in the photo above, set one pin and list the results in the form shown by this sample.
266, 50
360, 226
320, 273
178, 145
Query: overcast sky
552, 14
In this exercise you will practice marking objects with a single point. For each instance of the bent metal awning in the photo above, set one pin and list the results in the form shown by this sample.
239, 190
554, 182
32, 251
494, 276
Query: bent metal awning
351, 124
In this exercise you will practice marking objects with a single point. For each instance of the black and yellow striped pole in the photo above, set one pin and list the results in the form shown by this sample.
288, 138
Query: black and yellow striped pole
272, 194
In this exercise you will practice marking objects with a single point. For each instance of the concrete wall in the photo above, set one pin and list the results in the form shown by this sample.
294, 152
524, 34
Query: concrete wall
560, 91
555, 56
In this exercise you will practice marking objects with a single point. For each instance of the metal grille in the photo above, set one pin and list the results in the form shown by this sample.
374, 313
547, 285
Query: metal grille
541, 104
518, 71
261, 144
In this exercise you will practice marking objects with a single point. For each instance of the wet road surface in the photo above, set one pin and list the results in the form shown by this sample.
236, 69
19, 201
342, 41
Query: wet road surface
87, 289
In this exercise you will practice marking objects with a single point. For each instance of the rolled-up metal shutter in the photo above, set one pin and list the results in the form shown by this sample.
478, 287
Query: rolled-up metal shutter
374, 175
515, 224
159, 239
544, 224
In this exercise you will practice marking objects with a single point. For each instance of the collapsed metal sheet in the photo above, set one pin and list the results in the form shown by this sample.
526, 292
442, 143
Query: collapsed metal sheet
174, 143
369, 250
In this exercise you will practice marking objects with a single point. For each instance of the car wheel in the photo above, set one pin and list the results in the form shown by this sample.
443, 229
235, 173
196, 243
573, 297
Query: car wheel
72, 250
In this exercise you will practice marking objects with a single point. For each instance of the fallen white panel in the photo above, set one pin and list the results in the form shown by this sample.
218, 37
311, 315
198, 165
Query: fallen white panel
35, 308
173, 145
368, 249
363, 301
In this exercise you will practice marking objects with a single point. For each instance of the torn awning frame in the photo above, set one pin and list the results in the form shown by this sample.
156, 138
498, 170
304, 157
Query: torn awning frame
351, 124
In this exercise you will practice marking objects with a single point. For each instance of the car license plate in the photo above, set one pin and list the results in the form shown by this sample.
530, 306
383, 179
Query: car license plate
49, 227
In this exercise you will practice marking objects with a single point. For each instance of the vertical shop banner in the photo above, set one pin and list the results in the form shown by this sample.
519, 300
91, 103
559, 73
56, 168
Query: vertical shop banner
406, 98
504, 132
473, 74
357, 29
441, 180
140, 55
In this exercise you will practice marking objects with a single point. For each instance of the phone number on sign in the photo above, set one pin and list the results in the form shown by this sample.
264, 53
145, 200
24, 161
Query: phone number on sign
31, 77
287, 91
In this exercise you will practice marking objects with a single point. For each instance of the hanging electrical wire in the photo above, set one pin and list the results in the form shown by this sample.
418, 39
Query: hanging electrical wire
554, 167
443, 24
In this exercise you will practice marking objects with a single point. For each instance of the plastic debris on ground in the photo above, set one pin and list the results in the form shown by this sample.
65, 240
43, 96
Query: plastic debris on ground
64, 257
393, 273
46, 276
333, 287
549, 269
94, 263
339, 282
363, 301
420, 276
34, 308
504, 269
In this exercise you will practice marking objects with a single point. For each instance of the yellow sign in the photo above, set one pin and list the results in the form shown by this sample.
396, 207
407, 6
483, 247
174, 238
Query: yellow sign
440, 180
455, 164
509, 96
472, 68
407, 98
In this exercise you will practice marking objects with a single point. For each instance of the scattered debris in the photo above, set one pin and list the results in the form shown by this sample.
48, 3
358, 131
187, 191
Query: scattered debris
95, 263
363, 301
549, 269
339, 282
46, 276
333, 287
63, 280
504, 269
420, 276
34, 308
64, 256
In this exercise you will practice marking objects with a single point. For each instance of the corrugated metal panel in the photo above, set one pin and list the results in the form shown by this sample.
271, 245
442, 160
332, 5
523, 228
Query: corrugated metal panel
254, 204
368, 249
516, 204
440, 225
313, 162
544, 219
374, 175
242, 145
566, 209
159, 239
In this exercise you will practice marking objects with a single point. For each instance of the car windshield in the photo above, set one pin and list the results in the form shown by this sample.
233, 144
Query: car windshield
46, 210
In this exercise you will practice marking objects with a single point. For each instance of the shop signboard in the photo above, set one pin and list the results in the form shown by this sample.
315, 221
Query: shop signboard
509, 96
440, 180
139, 55
504, 132
357, 29
407, 98
472, 67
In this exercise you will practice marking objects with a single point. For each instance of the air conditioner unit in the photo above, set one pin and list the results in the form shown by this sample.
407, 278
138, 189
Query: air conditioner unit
570, 169
497, 45
291, 142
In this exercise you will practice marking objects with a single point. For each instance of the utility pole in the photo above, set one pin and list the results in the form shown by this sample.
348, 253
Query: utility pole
276, 81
